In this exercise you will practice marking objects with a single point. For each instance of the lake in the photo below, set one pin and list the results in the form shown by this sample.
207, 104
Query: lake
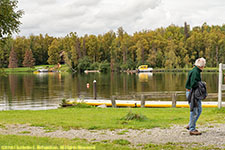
46, 90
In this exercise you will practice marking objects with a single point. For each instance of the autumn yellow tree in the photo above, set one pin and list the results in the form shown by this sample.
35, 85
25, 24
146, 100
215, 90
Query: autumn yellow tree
54, 53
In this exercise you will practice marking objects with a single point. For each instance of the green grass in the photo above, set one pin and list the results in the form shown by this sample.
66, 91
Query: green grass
24, 132
123, 132
20, 69
97, 118
55, 143
178, 146
207, 69
121, 142
25, 142
2, 126
63, 68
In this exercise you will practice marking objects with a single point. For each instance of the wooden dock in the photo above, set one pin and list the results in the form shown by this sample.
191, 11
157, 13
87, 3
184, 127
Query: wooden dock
152, 99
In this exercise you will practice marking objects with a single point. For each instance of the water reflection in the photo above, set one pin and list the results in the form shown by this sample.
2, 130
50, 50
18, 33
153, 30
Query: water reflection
46, 90
144, 76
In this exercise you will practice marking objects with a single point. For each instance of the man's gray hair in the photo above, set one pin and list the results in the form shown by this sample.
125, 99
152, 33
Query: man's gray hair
200, 62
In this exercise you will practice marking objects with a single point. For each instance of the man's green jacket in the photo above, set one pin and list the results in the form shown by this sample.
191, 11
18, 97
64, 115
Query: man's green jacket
193, 78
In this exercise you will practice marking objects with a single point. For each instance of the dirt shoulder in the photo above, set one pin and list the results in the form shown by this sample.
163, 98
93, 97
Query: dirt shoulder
212, 134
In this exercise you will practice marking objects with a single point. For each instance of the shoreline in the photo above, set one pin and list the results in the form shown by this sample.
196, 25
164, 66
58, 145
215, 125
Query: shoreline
65, 69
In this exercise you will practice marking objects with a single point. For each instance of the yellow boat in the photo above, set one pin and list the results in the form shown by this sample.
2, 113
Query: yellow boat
144, 68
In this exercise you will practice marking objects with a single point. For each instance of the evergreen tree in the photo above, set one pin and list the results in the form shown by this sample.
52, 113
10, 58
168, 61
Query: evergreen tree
28, 61
13, 61
186, 30
5, 48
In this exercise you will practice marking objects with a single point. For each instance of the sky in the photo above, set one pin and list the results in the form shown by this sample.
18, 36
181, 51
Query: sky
60, 17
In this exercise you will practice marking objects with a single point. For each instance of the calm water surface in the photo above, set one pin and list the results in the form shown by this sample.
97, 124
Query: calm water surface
46, 90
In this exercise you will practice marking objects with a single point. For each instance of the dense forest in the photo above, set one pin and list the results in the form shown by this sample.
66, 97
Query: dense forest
170, 47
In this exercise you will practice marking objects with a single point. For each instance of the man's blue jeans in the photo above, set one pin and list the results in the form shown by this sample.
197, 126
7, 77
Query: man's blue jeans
194, 115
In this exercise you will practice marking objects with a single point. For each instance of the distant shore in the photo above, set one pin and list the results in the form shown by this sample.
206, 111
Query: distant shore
65, 68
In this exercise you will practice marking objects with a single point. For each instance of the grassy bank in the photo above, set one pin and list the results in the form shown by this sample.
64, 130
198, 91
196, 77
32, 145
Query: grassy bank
207, 69
20, 69
97, 118
35, 68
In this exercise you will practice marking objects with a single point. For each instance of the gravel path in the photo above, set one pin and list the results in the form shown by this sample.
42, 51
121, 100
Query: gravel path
212, 134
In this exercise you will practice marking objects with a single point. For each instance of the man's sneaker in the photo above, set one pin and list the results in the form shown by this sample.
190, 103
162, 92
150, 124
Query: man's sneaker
195, 132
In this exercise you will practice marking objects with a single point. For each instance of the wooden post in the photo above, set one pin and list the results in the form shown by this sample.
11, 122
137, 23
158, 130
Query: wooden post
142, 101
94, 89
220, 85
113, 101
174, 97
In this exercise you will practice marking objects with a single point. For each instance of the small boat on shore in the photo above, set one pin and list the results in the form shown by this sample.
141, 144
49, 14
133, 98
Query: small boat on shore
42, 70
144, 68
89, 71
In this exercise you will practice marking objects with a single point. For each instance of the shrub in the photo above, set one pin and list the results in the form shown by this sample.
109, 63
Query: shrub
104, 66
134, 116
94, 66
129, 65
124, 67
74, 104
84, 64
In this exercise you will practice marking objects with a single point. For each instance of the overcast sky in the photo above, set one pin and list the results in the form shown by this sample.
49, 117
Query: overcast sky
60, 17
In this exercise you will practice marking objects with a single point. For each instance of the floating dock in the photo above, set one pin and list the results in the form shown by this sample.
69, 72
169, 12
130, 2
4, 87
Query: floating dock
151, 104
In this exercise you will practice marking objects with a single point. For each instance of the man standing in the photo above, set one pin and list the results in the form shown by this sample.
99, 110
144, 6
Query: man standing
192, 83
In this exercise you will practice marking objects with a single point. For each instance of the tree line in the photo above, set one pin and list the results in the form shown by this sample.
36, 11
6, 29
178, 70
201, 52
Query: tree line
170, 47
